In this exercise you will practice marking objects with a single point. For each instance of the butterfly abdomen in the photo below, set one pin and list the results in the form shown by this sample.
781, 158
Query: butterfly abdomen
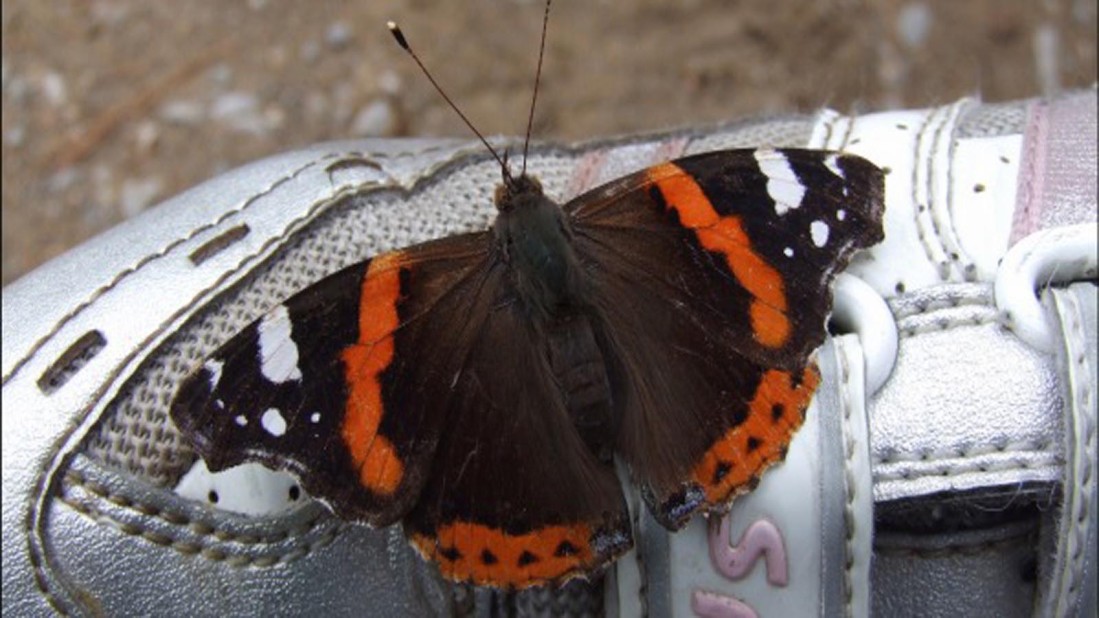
580, 369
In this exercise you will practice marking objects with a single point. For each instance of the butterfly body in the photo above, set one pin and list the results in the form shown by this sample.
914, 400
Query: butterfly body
479, 387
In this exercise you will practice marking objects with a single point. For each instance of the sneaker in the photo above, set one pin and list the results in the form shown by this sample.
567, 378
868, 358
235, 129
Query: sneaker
946, 467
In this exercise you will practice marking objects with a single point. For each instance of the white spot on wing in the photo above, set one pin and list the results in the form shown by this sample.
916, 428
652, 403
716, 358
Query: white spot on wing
788, 252
841, 214
241, 420
818, 230
273, 422
315, 417
277, 350
782, 184
214, 367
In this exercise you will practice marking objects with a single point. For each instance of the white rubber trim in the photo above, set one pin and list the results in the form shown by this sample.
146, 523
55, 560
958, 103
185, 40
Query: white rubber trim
249, 489
1050, 256
859, 309
858, 478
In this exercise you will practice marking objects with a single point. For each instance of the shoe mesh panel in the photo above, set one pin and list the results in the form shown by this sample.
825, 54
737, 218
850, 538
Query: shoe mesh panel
993, 120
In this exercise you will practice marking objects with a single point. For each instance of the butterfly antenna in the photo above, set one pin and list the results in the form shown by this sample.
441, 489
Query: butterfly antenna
395, 30
537, 80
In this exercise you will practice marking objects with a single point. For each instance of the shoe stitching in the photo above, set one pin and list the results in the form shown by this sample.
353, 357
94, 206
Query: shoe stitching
1039, 447
931, 132
969, 266
40, 582
944, 228
919, 208
1032, 178
180, 520
189, 549
955, 468
203, 530
944, 324
1075, 347
1028, 536
849, 519
30, 524
933, 305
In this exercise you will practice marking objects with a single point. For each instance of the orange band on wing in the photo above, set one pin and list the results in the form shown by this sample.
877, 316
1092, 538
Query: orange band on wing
724, 235
745, 451
380, 468
474, 552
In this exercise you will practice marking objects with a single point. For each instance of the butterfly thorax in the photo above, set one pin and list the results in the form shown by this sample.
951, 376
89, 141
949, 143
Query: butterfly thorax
535, 242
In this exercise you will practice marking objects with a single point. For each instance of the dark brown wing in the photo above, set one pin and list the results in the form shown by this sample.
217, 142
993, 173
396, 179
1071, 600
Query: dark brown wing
712, 276
331, 383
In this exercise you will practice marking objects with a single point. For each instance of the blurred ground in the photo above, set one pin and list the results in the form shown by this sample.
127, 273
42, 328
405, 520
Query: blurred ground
110, 106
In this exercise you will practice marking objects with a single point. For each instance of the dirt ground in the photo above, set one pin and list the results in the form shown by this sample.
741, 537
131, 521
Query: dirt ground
110, 106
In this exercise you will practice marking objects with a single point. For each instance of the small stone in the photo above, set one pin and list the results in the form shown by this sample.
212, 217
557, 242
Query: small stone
338, 35
240, 111
15, 135
343, 102
54, 89
103, 184
63, 179
914, 22
376, 119
233, 104
316, 105
221, 74
146, 136
310, 51
182, 111
389, 82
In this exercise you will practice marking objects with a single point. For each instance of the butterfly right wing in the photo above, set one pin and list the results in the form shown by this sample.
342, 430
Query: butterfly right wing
712, 274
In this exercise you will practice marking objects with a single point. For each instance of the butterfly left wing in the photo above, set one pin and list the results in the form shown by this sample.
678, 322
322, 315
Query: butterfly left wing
712, 276
319, 385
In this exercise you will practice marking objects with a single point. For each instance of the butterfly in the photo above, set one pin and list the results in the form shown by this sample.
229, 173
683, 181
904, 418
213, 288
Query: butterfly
478, 388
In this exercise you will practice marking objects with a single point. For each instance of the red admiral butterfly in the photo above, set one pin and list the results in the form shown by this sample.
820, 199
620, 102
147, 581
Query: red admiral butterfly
478, 387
